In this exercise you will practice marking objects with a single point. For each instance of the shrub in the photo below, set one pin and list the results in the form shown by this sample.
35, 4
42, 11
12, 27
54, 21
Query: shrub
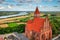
20, 29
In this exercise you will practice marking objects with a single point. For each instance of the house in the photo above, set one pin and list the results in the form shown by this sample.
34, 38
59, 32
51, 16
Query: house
38, 28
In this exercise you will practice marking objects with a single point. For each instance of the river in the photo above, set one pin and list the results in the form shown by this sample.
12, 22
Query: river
19, 14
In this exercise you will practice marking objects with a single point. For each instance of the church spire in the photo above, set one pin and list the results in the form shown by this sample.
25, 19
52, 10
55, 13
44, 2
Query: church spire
37, 12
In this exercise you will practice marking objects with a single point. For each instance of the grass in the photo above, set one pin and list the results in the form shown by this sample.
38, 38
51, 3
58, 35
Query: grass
24, 19
55, 21
12, 24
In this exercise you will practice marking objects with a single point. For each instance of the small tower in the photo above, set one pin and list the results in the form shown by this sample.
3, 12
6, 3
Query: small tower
37, 12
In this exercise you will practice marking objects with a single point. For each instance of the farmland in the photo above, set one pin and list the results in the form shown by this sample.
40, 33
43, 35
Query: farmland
17, 24
7, 13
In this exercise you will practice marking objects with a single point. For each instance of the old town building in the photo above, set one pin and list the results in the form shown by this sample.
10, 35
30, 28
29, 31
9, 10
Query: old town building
38, 28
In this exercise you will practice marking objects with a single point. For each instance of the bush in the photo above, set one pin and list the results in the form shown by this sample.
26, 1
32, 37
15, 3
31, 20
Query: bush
20, 29
55, 25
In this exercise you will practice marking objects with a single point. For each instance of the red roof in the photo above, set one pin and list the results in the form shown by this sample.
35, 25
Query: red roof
29, 25
37, 11
36, 24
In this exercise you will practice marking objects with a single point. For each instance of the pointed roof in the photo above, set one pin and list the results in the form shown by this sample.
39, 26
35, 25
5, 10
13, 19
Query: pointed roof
37, 23
37, 11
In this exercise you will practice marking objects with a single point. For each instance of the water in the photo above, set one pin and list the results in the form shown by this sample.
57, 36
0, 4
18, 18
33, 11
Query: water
19, 14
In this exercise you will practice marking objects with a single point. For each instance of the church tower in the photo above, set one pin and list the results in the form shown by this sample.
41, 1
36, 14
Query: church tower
39, 28
37, 12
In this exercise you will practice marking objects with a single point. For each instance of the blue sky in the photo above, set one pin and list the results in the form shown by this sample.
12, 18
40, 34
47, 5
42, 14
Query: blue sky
29, 5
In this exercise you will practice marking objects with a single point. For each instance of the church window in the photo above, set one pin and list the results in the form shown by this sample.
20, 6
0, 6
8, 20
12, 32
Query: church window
42, 37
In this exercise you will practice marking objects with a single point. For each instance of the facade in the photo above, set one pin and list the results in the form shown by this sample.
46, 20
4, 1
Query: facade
38, 28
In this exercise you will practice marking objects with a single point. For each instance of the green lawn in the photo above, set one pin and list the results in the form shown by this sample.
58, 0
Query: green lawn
12, 24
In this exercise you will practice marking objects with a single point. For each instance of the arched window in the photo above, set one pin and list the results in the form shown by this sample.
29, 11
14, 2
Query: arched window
46, 39
33, 37
50, 36
38, 36
44, 26
43, 37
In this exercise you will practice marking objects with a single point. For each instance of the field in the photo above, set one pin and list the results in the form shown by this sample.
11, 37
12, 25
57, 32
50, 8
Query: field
17, 24
7, 13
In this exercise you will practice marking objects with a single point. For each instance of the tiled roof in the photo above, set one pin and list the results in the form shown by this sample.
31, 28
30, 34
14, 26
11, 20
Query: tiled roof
36, 23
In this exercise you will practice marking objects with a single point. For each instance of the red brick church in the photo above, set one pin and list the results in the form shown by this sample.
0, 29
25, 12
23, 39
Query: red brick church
38, 28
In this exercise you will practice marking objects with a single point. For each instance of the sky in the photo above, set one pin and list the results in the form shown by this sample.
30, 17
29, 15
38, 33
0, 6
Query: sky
29, 5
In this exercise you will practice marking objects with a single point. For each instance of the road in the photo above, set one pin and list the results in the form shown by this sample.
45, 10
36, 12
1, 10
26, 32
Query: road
57, 37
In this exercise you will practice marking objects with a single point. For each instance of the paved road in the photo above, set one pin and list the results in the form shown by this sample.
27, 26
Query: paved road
56, 38
22, 37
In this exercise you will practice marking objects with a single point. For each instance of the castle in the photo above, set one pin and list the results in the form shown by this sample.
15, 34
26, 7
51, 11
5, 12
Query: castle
38, 28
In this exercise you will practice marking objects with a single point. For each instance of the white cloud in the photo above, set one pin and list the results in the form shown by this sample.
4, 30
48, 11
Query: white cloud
37, 1
10, 6
27, 1
1, 7
41, 6
29, 8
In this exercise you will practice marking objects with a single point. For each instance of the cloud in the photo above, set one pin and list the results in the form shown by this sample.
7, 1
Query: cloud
37, 1
1, 1
40, 6
10, 6
43, 8
1, 7
27, 1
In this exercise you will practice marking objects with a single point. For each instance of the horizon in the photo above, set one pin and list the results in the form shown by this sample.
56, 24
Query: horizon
29, 5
